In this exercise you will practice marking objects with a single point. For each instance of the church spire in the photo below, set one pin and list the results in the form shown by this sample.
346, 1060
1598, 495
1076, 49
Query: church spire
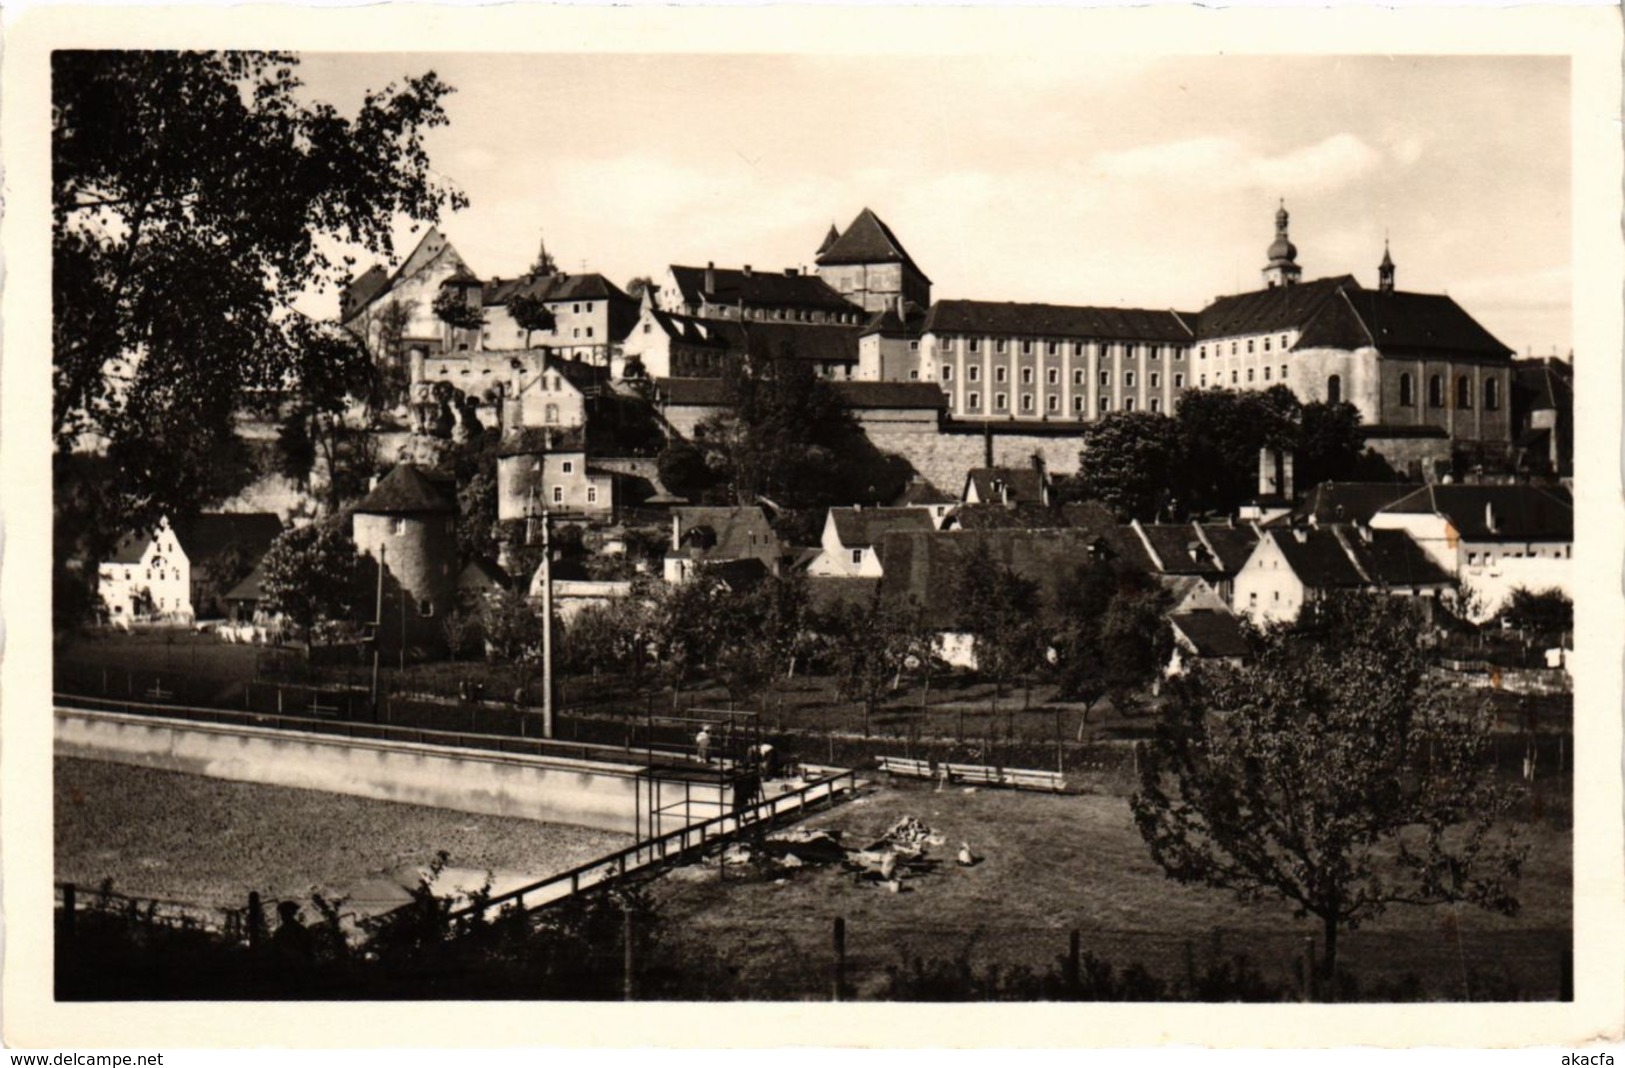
1282, 269
544, 264
1385, 270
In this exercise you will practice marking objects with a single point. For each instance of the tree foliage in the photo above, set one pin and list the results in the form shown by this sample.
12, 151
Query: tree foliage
1133, 462
195, 195
1329, 774
1000, 609
1223, 431
454, 309
530, 314
1111, 631
1548, 613
313, 576
512, 626
872, 645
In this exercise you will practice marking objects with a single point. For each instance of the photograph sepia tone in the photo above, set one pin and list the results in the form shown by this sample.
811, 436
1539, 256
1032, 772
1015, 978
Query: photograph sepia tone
623, 524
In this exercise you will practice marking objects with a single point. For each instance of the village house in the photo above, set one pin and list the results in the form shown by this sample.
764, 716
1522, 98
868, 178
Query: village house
736, 540
1010, 486
1206, 635
546, 469
748, 295
1493, 539
407, 525
591, 316
365, 303
923, 495
1291, 568
850, 546
171, 573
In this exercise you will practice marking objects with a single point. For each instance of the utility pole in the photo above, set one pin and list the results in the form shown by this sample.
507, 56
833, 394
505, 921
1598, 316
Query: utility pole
547, 623
377, 630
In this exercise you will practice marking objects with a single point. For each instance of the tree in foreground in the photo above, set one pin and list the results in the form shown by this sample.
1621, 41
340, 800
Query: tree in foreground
313, 576
530, 314
1331, 775
195, 197
871, 645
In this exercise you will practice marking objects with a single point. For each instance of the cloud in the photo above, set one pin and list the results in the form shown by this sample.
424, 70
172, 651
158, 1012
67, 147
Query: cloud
1224, 163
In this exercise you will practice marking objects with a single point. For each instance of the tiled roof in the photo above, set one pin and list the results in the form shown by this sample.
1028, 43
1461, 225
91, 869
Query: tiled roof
820, 342
1025, 485
1231, 545
1180, 550
707, 392
1266, 311
481, 574
405, 491
131, 548
827, 591
1056, 321
919, 395
1398, 324
1540, 385
859, 527
250, 588
760, 289
1342, 556
1085, 515
362, 289
1519, 513
867, 240
1214, 634
1346, 502
731, 533
888, 324
207, 535
919, 492
551, 288
922, 566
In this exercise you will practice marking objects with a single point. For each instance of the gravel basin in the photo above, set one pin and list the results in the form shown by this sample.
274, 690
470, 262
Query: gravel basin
209, 842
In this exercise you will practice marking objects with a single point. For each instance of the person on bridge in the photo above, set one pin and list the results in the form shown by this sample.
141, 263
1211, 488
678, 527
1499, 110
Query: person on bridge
702, 744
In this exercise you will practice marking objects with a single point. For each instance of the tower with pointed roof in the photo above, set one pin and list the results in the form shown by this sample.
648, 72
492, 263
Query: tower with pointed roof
408, 525
1385, 270
868, 265
1282, 269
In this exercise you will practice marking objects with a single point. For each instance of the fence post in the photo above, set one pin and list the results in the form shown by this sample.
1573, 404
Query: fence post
254, 920
1073, 976
838, 985
69, 908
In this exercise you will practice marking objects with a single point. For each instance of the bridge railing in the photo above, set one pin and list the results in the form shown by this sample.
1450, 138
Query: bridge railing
381, 732
695, 836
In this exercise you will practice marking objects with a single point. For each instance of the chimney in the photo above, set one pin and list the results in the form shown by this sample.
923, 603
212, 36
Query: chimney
746, 271
1489, 517
676, 532
987, 445
710, 277
792, 272
1266, 472
1286, 474
902, 309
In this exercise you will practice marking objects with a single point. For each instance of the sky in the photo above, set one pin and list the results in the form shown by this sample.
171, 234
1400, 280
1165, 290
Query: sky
1139, 182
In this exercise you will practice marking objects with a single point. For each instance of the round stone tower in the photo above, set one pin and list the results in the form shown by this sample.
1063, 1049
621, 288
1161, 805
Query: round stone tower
410, 524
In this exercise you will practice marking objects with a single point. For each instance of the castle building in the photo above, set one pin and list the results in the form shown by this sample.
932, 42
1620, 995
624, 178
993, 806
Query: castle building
713, 292
867, 265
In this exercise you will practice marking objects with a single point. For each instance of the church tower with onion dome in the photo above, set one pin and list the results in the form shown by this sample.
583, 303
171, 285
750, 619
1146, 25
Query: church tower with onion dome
1283, 269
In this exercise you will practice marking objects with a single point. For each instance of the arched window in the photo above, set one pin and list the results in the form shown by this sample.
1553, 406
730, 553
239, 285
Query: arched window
1492, 394
1435, 392
1464, 392
1407, 397
1334, 389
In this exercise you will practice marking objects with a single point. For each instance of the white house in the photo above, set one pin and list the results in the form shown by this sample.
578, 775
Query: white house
166, 574
1291, 568
851, 543
1493, 539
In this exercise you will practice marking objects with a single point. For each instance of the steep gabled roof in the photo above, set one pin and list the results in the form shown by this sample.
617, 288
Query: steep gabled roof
361, 290
1231, 545
1345, 502
1398, 324
867, 240
1180, 550
405, 491
481, 574
251, 588
207, 535
1343, 556
1213, 634
1542, 385
1025, 485
706, 392
830, 238
1056, 321
759, 289
1265, 311
1318, 558
730, 533
863, 527
552, 288
1494, 513
819, 342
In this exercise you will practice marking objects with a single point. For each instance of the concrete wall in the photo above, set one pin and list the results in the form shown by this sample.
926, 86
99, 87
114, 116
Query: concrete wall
556, 790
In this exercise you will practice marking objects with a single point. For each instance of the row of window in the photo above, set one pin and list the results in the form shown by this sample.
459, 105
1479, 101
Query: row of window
973, 373
1235, 376
794, 315
1559, 552
1027, 346
1218, 347
1001, 403
1464, 392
